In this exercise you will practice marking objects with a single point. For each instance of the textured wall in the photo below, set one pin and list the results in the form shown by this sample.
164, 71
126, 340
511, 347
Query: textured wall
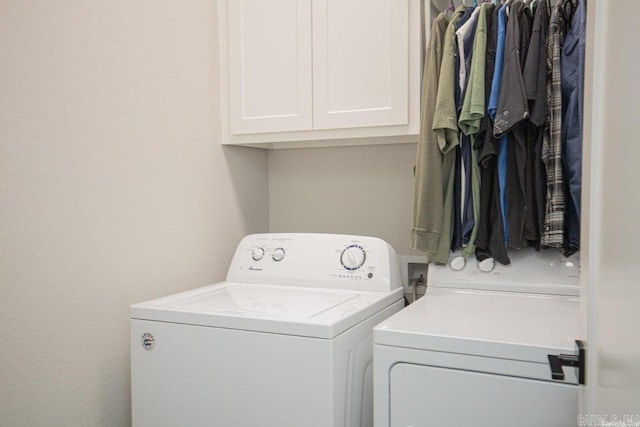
113, 190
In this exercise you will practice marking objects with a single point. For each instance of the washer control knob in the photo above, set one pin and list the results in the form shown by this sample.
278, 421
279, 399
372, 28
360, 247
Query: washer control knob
457, 263
486, 265
257, 253
277, 254
353, 257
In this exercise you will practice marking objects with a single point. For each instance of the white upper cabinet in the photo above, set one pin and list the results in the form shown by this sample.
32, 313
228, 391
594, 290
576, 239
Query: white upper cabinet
360, 63
310, 73
269, 65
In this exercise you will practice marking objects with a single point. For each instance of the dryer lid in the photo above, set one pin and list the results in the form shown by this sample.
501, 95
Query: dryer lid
321, 313
503, 325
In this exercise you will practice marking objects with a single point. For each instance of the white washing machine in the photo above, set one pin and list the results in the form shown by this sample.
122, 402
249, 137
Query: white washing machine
286, 340
477, 349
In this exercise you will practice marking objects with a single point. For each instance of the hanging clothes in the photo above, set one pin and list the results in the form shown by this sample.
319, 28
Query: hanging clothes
499, 156
428, 192
492, 110
445, 126
512, 110
490, 242
472, 112
535, 82
553, 233
572, 82
461, 222
465, 36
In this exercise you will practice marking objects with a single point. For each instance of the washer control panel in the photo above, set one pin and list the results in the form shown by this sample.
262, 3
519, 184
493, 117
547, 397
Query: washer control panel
318, 260
258, 253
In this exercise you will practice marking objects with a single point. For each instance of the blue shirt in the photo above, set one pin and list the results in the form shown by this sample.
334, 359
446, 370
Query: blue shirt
572, 78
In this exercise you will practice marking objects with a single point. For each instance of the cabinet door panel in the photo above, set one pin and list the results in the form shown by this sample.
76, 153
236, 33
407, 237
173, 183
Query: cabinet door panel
360, 63
269, 72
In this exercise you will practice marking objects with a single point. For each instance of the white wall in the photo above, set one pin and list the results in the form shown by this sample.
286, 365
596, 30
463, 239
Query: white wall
612, 278
113, 190
364, 190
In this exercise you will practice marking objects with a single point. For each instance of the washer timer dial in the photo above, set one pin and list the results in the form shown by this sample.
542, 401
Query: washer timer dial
278, 254
353, 257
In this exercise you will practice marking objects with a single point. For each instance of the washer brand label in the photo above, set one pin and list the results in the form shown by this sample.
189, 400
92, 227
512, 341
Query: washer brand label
148, 341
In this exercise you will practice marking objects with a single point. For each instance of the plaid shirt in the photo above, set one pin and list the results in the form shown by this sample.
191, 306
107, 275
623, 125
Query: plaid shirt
553, 233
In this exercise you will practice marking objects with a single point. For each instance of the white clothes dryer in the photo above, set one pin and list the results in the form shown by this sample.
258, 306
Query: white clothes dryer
477, 349
286, 340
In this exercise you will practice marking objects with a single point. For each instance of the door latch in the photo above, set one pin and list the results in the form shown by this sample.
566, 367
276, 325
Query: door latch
557, 361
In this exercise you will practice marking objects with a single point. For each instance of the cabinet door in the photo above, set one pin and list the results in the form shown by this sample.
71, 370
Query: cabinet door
269, 65
360, 63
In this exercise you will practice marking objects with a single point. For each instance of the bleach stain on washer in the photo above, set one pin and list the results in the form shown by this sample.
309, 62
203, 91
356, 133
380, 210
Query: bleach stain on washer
286, 340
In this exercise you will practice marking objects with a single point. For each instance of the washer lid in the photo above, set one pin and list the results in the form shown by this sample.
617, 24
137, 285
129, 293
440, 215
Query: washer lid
504, 325
321, 313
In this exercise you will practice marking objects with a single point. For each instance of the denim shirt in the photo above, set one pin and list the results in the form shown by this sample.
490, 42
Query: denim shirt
572, 77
